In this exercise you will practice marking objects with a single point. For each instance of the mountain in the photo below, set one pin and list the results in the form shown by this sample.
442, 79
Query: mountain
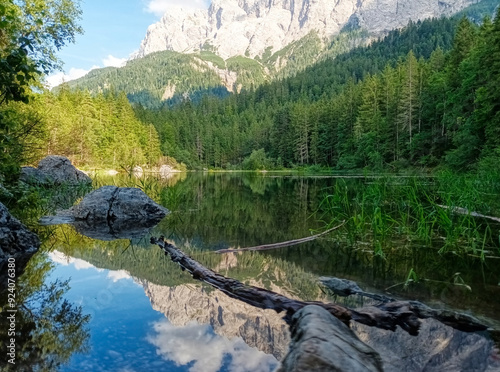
255, 27
237, 45
436, 348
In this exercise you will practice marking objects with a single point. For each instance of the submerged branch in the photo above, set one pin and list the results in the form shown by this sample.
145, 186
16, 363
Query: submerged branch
288, 243
459, 210
386, 315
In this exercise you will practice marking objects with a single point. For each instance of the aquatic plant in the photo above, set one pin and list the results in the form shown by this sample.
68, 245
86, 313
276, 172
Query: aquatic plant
386, 213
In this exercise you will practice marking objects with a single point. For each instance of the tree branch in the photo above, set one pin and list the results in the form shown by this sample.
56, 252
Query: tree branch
281, 244
386, 315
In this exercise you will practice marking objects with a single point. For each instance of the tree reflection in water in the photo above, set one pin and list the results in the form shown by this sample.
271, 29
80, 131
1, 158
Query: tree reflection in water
49, 329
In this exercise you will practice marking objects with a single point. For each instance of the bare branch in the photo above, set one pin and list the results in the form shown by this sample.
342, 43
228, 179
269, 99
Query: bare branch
281, 244
386, 315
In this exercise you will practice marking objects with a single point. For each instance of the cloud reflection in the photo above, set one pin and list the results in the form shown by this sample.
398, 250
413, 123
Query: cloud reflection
197, 344
62, 259
118, 275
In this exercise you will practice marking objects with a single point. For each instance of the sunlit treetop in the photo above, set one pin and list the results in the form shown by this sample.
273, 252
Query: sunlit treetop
31, 32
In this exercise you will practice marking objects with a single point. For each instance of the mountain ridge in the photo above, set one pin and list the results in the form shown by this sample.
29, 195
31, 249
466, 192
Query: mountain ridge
168, 77
251, 27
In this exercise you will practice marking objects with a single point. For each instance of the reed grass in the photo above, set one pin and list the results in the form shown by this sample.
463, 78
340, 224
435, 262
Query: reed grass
393, 213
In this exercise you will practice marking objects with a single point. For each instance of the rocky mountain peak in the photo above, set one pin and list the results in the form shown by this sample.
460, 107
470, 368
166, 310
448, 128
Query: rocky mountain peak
252, 27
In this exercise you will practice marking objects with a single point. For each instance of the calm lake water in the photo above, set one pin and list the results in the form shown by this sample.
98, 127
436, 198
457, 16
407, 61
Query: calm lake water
140, 312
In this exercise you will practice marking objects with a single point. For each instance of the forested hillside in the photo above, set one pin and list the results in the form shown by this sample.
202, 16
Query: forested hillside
167, 78
422, 96
157, 77
99, 131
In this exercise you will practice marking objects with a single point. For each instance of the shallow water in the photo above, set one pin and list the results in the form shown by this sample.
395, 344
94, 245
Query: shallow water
146, 314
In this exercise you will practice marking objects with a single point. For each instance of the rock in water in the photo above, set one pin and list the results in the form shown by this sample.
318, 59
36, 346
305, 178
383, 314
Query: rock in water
322, 343
16, 242
15, 238
111, 203
341, 287
54, 170
112, 212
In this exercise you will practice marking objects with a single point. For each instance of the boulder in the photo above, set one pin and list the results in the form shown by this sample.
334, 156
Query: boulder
16, 242
34, 176
62, 171
15, 238
54, 169
320, 343
112, 212
112, 203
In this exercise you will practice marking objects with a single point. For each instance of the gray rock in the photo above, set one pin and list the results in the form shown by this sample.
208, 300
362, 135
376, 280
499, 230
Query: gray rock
340, 287
15, 238
62, 171
112, 212
16, 242
111, 203
54, 170
34, 176
436, 348
321, 343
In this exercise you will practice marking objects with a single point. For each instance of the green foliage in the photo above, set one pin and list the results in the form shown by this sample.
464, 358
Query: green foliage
249, 71
30, 34
157, 78
212, 57
257, 161
99, 131
417, 98
295, 56
390, 213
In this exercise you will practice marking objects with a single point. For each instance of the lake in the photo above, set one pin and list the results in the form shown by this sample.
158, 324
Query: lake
121, 305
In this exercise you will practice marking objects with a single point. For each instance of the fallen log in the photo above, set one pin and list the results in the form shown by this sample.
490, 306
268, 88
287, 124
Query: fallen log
280, 244
385, 315
463, 211
321, 342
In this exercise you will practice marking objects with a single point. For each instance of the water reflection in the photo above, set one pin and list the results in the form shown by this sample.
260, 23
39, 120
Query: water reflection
128, 334
129, 287
183, 304
47, 327
197, 346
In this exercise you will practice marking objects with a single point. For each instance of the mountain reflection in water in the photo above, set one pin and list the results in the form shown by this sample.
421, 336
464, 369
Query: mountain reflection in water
149, 315
198, 346
127, 334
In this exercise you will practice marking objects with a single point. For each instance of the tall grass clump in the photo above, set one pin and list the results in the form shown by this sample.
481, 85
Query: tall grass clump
449, 213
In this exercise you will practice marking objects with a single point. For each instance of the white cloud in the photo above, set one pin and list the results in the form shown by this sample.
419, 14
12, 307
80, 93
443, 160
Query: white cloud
75, 73
61, 77
159, 7
118, 275
62, 259
111, 61
197, 344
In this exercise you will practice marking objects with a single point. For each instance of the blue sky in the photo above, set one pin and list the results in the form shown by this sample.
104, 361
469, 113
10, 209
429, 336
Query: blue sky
113, 30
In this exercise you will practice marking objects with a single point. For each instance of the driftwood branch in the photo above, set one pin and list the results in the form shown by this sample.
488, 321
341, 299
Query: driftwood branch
459, 210
386, 315
463, 322
288, 243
